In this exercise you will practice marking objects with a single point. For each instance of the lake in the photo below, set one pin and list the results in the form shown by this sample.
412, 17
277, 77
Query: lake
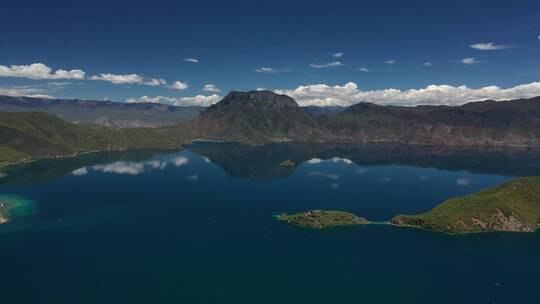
198, 226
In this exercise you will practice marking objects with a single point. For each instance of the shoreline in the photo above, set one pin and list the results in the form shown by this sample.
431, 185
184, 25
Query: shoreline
3, 219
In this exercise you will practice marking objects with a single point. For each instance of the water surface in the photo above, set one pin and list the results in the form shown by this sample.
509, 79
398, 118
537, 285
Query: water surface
196, 226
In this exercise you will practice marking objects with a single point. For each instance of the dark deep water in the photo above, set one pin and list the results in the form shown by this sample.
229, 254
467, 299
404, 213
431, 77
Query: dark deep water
196, 226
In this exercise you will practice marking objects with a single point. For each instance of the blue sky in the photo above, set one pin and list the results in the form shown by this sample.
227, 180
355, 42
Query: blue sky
294, 41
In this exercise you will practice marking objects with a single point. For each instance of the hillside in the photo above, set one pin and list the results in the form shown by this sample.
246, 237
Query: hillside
513, 206
35, 134
263, 116
256, 116
493, 123
101, 112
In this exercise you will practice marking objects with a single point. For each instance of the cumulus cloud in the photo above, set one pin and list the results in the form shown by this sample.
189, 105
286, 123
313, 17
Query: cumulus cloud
470, 61
268, 70
39, 71
326, 65
337, 55
119, 79
391, 61
365, 70
198, 100
211, 88
490, 46
179, 85
192, 60
349, 94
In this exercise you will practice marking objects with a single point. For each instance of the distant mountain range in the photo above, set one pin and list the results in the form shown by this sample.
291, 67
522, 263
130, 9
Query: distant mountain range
101, 112
263, 116
257, 117
33, 134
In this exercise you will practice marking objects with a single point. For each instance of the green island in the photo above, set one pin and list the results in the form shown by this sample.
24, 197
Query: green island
513, 206
320, 219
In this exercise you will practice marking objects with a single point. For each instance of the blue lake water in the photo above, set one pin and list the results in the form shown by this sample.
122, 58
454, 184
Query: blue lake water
197, 226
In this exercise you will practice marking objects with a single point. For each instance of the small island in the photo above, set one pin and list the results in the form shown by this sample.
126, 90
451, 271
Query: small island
287, 163
513, 207
320, 219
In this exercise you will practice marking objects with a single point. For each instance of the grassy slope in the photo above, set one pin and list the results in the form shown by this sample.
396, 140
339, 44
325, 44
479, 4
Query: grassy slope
34, 134
513, 206
322, 219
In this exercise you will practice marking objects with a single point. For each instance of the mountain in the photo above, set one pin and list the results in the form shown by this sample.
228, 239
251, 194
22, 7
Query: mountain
317, 110
34, 134
106, 113
256, 116
263, 116
489, 123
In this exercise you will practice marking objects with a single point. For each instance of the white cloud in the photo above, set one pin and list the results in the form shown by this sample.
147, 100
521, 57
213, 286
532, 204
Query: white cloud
427, 64
470, 61
490, 46
268, 70
365, 70
24, 91
128, 79
39, 71
192, 60
326, 65
179, 85
155, 82
338, 55
349, 94
211, 88
391, 61
199, 100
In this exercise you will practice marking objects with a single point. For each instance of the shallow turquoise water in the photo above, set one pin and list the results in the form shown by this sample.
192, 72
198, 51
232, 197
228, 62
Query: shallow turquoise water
196, 226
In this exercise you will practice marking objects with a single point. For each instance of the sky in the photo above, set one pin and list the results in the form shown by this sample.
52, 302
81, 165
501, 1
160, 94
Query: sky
318, 52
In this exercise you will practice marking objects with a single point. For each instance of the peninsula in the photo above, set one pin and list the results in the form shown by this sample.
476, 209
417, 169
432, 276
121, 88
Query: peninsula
513, 206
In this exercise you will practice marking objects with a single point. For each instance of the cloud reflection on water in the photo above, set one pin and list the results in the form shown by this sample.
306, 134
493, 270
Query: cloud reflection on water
133, 167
